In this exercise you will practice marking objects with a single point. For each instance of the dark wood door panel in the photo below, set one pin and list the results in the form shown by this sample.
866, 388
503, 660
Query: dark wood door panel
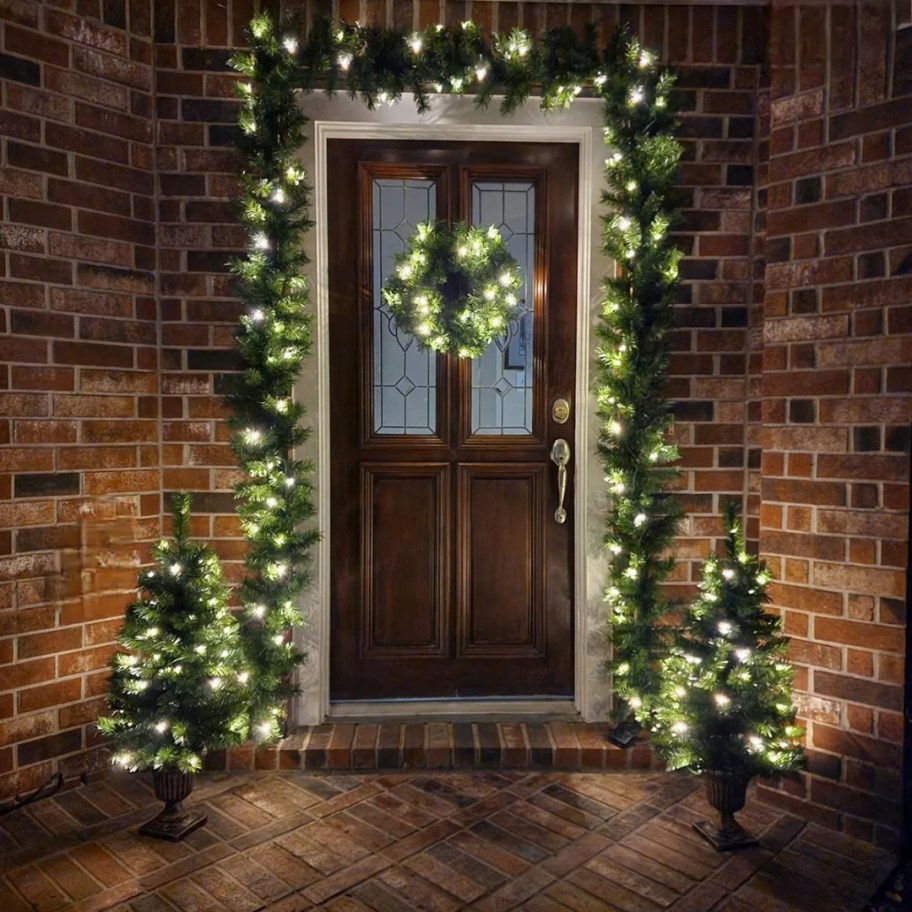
501, 560
405, 526
449, 577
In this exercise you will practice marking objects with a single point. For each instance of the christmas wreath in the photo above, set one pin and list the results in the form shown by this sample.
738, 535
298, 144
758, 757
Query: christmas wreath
454, 288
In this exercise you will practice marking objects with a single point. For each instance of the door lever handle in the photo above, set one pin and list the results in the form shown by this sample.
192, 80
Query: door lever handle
560, 456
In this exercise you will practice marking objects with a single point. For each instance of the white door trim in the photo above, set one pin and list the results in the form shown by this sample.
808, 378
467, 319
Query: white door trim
323, 131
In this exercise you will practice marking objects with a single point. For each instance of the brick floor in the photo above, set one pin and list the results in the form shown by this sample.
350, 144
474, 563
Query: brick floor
441, 745
432, 840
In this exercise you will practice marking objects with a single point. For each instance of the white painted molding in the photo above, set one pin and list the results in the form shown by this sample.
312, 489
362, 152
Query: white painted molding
454, 118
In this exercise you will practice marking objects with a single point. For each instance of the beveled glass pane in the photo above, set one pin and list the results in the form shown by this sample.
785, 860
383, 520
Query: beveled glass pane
502, 391
405, 377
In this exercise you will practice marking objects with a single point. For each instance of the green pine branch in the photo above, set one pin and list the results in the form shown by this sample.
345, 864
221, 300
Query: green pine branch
181, 685
380, 66
726, 696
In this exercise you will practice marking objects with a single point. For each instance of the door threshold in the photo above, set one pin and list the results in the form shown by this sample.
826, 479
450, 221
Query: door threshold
460, 710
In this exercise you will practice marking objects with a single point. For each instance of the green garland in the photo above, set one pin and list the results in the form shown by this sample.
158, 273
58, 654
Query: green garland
380, 66
438, 260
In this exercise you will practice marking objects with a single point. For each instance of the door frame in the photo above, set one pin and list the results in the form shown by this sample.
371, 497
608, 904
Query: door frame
582, 136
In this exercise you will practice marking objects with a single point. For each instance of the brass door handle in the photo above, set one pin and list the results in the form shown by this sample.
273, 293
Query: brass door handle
560, 456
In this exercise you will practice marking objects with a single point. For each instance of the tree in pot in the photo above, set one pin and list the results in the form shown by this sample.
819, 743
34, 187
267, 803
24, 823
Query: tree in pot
725, 703
181, 688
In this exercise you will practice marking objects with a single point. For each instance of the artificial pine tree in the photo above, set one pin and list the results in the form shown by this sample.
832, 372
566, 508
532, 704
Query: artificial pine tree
181, 688
725, 703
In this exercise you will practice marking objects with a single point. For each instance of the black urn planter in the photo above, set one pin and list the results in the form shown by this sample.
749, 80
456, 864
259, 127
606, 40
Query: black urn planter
726, 791
175, 821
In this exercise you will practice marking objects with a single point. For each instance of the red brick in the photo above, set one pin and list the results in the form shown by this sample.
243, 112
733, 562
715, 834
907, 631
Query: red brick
54, 693
853, 633
803, 598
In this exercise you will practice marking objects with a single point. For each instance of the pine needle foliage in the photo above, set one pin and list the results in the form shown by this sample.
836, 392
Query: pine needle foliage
726, 688
181, 686
275, 499
381, 66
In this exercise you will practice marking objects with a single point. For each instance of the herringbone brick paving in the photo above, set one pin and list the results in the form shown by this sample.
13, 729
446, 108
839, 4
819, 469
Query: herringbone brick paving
433, 840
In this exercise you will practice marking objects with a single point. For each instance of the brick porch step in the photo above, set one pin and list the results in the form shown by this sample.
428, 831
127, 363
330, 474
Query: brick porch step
441, 745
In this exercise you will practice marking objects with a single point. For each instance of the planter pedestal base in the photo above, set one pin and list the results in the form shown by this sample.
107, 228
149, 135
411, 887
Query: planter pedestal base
175, 822
726, 792
171, 827
724, 840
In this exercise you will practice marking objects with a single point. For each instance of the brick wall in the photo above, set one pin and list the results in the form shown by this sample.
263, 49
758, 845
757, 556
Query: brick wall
79, 406
117, 141
835, 385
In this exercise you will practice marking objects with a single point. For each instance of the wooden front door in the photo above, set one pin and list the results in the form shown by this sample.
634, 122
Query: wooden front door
449, 575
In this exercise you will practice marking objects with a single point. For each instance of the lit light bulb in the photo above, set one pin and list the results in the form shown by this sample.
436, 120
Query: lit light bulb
646, 58
281, 570
152, 632
631, 573
345, 61
142, 685
259, 610
261, 242
289, 482
631, 186
623, 223
615, 428
680, 692
637, 95
271, 502
244, 677
635, 702
278, 639
162, 726
215, 683
679, 728
200, 649
264, 728
415, 43
251, 435
661, 102
175, 569
639, 519
722, 700
742, 654
291, 44
481, 72
728, 573
600, 79
724, 627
